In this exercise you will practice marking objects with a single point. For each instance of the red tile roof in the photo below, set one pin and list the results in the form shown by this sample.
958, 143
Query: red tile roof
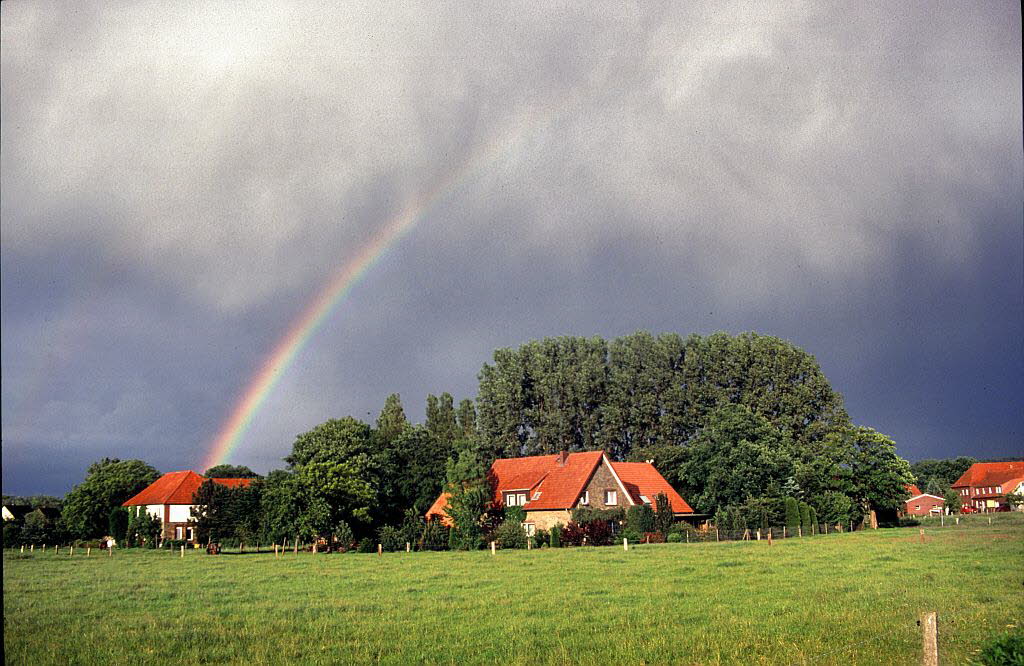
437, 510
643, 479
561, 482
178, 488
991, 474
913, 490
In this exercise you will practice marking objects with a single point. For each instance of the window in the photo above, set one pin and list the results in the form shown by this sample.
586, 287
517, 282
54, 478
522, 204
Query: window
643, 498
611, 498
999, 489
536, 496
178, 532
530, 528
515, 499
917, 507
586, 497
190, 536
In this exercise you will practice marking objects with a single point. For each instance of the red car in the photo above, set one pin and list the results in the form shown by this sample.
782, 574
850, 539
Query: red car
968, 509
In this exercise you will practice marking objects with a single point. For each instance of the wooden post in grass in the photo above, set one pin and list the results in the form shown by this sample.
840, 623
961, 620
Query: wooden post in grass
183, 550
408, 547
380, 550
942, 520
929, 639
88, 551
769, 536
23, 548
990, 520
529, 542
296, 551
110, 551
687, 536
625, 544
826, 528
758, 533
799, 531
716, 533
958, 520
922, 535
72, 551
494, 550
783, 531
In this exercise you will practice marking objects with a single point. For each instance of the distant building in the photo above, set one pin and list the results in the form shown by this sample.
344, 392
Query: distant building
15, 511
550, 487
984, 486
922, 504
169, 498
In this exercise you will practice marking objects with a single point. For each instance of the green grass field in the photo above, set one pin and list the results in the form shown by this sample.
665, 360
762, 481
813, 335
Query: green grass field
840, 599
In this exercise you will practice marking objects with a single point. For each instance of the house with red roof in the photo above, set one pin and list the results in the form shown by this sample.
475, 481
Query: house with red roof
169, 498
549, 487
922, 504
984, 486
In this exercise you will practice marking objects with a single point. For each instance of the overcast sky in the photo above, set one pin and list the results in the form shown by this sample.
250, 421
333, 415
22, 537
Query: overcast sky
179, 181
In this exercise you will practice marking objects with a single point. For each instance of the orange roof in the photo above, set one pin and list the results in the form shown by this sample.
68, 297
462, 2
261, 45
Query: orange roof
437, 510
913, 490
991, 474
642, 479
178, 488
560, 483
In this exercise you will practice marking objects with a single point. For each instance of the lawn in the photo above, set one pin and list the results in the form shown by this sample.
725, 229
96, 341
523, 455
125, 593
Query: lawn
838, 599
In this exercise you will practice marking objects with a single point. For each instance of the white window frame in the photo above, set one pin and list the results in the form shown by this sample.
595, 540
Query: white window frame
585, 499
190, 534
178, 533
536, 496
611, 498
530, 529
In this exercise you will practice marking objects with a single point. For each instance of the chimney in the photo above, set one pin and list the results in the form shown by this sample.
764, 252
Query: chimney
563, 457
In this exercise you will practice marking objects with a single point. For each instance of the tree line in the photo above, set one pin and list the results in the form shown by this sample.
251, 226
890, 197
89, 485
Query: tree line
736, 423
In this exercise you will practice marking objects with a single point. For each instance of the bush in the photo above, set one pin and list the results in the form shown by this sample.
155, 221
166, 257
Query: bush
586, 514
674, 537
541, 538
366, 545
599, 533
510, 535
344, 536
435, 536
814, 519
805, 519
391, 539
640, 518
573, 534
634, 536
654, 537
792, 515
1003, 650
12, 535
556, 536
907, 521
663, 517
515, 513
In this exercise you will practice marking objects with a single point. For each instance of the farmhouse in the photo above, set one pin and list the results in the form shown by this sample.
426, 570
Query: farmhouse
922, 504
550, 487
169, 498
18, 512
983, 486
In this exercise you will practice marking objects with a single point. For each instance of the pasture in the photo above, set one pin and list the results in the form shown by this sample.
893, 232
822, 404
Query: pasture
839, 599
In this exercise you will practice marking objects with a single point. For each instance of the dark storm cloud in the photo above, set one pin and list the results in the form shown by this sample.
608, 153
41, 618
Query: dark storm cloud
179, 181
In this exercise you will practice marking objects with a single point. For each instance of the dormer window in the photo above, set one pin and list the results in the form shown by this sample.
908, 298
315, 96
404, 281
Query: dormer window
515, 499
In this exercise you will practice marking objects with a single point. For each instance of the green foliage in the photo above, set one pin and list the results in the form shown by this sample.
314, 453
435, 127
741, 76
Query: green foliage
435, 536
1005, 649
836, 508
344, 536
12, 534
805, 518
585, 514
225, 471
943, 472
510, 534
640, 518
108, 483
1014, 500
674, 537
953, 502
367, 545
390, 538
634, 536
738, 454
332, 441
556, 536
541, 538
907, 521
441, 420
466, 507
464, 465
226, 514
877, 477
412, 526
391, 421
663, 518
410, 471
466, 418
641, 392
117, 523
515, 514
572, 534
813, 516
792, 515
143, 528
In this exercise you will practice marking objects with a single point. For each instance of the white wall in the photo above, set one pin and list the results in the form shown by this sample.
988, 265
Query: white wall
155, 510
181, 513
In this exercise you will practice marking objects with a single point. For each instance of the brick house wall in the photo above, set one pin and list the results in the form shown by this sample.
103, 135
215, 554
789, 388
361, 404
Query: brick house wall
602, 481
922, 506
545, 520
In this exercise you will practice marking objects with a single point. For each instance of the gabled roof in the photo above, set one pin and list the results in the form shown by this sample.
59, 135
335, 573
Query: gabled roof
991, 474
178, 488
642, 479
19, 511
913, 490
437, 510
561, 480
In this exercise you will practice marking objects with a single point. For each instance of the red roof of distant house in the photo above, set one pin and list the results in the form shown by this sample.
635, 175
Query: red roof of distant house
561, 480
437, 510
991, 474
178, 488
913, 490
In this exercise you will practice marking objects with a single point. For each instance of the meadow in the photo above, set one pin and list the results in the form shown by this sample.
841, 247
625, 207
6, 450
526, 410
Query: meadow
838, 599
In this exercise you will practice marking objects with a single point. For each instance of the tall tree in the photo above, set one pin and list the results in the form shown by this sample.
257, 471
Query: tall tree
108, 483
391, 421
441, 419
466, 417
737, 455
225, 471
877, 476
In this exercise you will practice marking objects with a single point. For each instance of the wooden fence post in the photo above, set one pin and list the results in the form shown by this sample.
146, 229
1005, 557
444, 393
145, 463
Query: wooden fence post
494, 550
625, 544
88, 550
380, 550
783, 531
73, 550
110, 550
958, 520
687, 536
922, 535
929, 639
529, 542
942, 520
296, 550
408, 547
716, 533
23, 548
758, 533
769, 536
799, 531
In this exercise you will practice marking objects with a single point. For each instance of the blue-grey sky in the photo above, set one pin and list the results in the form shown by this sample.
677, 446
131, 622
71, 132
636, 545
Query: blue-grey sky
178, 182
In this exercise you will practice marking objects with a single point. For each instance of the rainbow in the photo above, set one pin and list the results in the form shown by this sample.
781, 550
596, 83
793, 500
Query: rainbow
325, 302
